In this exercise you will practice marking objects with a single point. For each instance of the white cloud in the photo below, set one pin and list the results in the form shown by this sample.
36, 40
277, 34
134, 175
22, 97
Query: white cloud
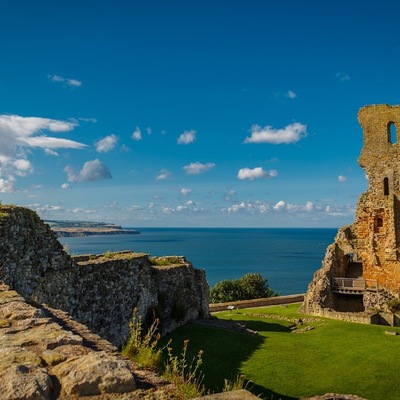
185, 191
197, 168
280, 205
79, 210
19, 134
22, 166
256, 207
92, 120
42, 209
228, 196
137, 134
6, 185
52, 143
65, 81
106, 144
56, 78
74, 82
237, 207
65, 186
187, 137
163, 175
50, 152
256, 173
93, 170
291, 95
342, 178
309, 206
290, 134
342, 76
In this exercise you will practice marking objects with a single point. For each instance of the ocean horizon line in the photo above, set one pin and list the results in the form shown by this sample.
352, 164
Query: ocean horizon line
228, 227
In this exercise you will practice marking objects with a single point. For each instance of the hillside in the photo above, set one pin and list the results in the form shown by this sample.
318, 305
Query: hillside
87, 228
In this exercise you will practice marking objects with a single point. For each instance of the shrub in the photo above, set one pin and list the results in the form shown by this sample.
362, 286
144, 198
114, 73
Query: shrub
394, 305
225, 291
250, 286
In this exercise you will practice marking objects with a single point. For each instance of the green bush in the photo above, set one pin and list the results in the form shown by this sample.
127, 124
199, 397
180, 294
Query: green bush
250, 286
394, 305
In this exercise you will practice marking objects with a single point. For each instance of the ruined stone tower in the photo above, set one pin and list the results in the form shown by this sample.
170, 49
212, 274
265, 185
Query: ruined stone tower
361, 269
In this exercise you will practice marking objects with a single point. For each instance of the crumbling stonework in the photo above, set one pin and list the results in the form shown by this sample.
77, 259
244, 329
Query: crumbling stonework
361, 269
41, 360
98, 291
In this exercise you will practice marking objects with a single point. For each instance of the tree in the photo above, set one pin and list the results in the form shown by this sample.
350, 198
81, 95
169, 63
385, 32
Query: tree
224, 291
249, 286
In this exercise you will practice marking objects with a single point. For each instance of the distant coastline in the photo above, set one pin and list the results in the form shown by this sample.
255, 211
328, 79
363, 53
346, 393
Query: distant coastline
87, 228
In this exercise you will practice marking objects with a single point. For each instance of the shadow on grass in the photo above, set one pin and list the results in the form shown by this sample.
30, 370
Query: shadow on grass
261, 326
267, 394
224, 353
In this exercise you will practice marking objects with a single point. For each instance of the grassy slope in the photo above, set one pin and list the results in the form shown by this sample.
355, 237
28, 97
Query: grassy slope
336, 356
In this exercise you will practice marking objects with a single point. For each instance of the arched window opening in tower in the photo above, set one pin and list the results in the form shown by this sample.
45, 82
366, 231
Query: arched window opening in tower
392, 133
379, 222
386, 186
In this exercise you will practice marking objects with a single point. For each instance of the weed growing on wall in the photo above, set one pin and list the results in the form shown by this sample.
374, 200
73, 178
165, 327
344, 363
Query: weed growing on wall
165, 261
108, 254
237, 383
142, 347
186, 376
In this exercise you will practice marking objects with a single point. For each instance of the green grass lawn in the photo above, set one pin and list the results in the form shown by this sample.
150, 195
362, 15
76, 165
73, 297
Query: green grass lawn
335, 356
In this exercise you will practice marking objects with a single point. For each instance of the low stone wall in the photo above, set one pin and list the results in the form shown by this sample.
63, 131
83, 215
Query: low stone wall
99, 291
269, 301
361, 317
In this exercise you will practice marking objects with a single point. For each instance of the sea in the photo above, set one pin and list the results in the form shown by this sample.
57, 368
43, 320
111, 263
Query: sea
286, 257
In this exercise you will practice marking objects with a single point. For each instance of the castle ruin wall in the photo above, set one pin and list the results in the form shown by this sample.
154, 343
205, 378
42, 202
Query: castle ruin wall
368, 251
98, 291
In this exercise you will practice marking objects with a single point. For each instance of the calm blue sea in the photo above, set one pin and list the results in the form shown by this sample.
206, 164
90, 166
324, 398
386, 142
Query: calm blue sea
288, 258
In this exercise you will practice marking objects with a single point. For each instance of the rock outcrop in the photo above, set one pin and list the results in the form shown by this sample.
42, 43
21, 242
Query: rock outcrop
98, 291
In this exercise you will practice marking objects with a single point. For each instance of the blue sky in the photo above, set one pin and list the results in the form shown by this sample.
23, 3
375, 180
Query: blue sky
191, 113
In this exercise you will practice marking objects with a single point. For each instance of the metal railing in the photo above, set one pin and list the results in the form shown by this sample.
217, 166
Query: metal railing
352, 284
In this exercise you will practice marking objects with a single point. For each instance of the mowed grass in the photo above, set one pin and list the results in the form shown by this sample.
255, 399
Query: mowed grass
335, 356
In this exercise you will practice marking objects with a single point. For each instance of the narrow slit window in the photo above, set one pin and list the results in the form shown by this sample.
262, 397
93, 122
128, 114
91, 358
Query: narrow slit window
379, 222
386, 186
392, 133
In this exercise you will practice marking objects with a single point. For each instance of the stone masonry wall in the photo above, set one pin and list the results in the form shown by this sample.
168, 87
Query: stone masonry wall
373, 240
98, 291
